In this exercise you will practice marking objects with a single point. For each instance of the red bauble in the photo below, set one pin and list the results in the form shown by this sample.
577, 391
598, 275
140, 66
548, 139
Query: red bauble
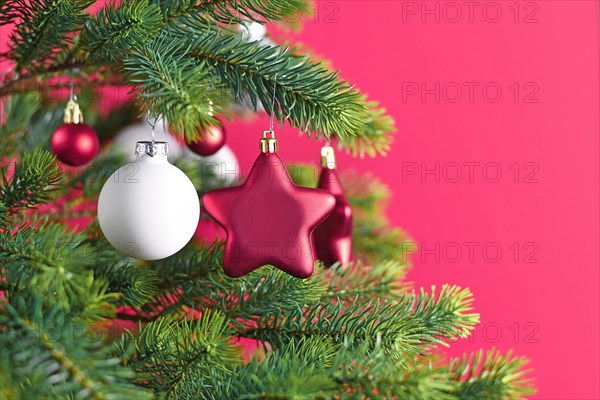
333, 237
210, 141
74, 144
268, 220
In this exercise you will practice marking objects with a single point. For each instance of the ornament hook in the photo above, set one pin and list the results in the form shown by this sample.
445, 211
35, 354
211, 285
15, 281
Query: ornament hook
269, 144
72, 90
152, 125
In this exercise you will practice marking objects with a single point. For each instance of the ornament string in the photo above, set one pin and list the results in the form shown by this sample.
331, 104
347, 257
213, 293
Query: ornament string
72, 90
272, 119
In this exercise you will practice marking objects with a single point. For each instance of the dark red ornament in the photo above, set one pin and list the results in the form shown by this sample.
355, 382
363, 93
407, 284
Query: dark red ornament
268, 219
210, 141
74, 144
333, 237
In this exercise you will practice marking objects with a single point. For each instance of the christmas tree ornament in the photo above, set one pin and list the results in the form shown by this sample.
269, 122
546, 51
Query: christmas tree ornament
333, 237
268, 219
126, 139
210, 141
252, 31
148, 208
223, 165
74, 143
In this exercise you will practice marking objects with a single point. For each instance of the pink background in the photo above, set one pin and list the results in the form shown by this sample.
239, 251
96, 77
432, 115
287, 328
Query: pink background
527, 158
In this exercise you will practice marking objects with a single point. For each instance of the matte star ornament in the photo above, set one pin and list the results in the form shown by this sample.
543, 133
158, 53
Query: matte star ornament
268, 220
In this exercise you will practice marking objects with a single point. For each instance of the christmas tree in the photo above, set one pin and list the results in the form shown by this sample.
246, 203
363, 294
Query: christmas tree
79, 319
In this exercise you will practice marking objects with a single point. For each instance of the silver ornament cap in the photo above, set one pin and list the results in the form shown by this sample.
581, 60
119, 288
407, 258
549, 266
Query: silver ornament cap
152, 149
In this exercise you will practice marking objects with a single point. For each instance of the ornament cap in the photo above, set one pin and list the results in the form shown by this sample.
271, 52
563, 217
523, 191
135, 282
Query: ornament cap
327, 157
269, 144
73, 114
152, 149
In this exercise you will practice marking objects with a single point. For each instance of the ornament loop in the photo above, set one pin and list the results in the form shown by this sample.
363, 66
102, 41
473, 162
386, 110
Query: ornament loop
153, 125
152, 149
269, 144
73, 114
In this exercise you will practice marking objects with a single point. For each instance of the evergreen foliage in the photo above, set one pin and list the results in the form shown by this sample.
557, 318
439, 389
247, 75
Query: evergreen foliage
80, 320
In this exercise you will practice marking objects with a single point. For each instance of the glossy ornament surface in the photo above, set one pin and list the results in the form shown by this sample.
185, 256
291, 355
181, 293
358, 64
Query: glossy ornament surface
210, 141
75, 144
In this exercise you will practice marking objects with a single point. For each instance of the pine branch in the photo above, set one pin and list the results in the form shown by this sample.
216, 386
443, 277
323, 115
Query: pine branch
174, 358
367, 194
36, 81
300, 374
234, 11
375, 242
118, 118
47, 352
407, 325
307, 95
171, 84
374, 372
490, 375
115, 30
357, 280
34, 177
10, 10
94, 176
376, 135
44, 28
192, 263
45, 259
262, 292
36, 136
134, 282
195, 278
18, 111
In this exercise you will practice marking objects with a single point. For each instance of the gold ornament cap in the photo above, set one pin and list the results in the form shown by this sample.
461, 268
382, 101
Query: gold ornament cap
327, 157
73, 114
269, 144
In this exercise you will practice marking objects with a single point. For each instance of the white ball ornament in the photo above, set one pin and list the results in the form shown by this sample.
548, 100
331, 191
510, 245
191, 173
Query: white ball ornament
148, 208
223, 164
252, 31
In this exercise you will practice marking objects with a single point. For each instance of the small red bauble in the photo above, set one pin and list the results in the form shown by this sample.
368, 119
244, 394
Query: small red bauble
74, 144
210, 141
